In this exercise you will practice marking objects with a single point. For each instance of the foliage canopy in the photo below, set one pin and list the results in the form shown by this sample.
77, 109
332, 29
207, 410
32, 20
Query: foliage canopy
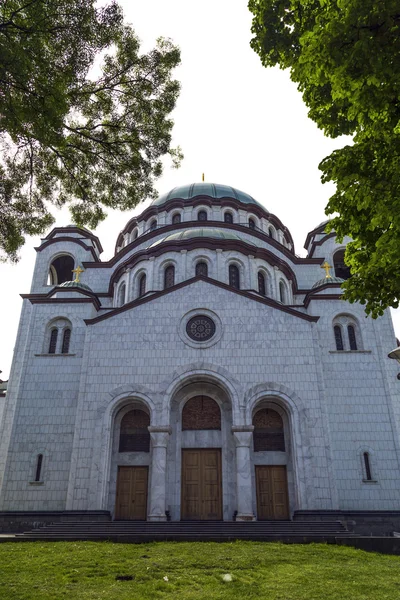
345, 57
72, 131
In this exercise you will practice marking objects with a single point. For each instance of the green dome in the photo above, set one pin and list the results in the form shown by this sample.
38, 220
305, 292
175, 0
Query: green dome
213, 190
74, 284
200, 232
330, 280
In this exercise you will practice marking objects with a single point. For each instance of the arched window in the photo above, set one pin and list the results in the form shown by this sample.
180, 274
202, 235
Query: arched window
367, 466
135, 234
53, 341
134, 434
66, 340
268, 434
201, 412
61, 270
228, 217
350, 341
261, 283
271, 232
352, 337
169, 276
38, 470
338, 337
142, 285
202, 269
234, 276
341, 269
153, 225
121, 295
252, 223
202, 215
176, 218
283, 296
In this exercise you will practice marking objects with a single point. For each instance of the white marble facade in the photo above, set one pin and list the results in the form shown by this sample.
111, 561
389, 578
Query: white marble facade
273, 348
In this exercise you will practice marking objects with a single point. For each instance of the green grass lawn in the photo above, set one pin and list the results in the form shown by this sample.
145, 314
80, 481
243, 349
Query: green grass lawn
82, 570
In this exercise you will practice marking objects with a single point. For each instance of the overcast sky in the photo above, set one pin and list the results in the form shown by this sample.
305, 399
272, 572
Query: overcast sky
239, 123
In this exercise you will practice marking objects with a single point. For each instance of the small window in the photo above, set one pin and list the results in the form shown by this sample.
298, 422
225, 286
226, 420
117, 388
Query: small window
169, 276
134, 433
271, 232
234, 276
176, 218
53, 341
202, 269
352, 337
367, 466
228, 217
338, 337
201, 412
252, 224
202, 215
38, 470
65, 342
283, 292
142, 285
153, 225
261, 283
121, 295
135, 234
268, 435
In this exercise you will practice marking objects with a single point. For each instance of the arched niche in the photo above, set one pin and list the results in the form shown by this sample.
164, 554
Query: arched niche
60, 270
214, 400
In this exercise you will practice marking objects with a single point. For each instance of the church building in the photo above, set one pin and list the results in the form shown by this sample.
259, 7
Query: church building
204, 372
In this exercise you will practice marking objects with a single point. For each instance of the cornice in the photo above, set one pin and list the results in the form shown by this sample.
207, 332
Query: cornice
65, 238
320, 242
88, 297
79, 230
251, 296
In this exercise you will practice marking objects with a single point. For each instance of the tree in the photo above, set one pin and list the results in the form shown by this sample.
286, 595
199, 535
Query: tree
345, 57
70, 131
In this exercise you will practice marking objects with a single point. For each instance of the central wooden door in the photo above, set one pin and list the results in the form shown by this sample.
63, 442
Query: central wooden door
131, 501
272, 493
201, 496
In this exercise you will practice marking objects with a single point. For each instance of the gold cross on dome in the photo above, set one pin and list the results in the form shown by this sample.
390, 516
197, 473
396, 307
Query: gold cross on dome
78, 271
202, 177
327, 268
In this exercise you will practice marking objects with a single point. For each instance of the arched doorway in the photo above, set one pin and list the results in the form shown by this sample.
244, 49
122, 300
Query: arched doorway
130, 463
272, 462
200, 480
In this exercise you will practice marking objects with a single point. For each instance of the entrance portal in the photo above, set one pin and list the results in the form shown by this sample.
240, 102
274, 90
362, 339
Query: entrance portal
201, 485
272, 493
131, 501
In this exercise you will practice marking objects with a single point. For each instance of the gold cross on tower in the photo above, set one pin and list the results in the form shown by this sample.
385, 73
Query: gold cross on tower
327, 268
78, 271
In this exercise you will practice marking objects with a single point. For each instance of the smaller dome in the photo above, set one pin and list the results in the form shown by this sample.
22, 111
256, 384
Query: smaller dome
331, 280
74, 284
199, 232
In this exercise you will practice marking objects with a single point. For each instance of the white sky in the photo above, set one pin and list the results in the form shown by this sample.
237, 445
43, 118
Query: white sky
239, 123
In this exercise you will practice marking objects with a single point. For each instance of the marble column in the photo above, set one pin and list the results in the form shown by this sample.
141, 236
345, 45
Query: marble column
157, 496
244, 492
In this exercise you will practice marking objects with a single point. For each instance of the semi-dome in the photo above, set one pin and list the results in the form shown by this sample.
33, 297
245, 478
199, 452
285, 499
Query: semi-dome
200, 232
213, 190
325, 280
75, 284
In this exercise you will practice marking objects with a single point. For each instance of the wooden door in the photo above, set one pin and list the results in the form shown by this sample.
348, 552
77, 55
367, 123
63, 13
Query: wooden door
272, 493
131, 501
201, 495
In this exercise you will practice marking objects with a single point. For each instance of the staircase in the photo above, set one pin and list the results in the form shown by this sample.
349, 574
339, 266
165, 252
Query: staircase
217, 531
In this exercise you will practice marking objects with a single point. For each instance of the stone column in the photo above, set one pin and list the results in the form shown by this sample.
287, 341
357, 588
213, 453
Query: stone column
244, 492
157, 496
